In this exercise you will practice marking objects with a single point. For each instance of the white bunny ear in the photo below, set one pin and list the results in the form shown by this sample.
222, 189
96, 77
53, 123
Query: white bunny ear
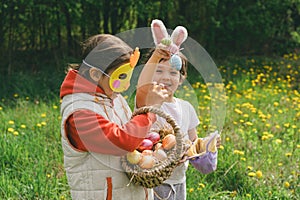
159, 31
179, 35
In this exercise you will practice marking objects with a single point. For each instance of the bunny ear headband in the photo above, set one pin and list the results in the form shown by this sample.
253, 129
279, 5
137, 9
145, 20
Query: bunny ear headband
172, 43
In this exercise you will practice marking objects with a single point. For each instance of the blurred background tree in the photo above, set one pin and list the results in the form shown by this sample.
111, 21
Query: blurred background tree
36, 33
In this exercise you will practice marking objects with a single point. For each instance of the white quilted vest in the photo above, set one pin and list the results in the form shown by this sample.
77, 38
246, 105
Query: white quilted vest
87, 172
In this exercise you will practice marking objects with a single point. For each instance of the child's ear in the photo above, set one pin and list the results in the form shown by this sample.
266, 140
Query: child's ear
95, 74
158, 30
179, 35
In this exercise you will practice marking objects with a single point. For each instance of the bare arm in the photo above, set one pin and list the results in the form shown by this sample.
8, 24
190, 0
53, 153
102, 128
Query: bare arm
148, 71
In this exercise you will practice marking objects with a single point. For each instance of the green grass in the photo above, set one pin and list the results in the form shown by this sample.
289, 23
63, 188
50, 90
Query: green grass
259, 158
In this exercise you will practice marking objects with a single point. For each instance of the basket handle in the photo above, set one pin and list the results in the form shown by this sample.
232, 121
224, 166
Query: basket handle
171, 121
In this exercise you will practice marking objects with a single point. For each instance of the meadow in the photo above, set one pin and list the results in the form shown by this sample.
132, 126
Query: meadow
259, 157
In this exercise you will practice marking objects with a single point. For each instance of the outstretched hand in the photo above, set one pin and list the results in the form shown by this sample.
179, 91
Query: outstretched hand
151, 94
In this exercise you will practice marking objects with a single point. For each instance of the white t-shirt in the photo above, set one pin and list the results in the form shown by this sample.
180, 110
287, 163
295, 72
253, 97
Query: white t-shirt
185, 116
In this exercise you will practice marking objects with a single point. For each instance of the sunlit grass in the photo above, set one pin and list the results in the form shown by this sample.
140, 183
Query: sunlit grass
259, 157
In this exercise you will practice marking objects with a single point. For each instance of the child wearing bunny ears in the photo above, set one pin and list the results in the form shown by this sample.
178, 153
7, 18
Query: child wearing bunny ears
167, 66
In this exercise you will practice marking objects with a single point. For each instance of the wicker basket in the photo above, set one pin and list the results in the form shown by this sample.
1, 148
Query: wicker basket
162, 170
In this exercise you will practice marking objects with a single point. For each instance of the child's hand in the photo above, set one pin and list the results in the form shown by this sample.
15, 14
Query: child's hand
151, 94
161, 52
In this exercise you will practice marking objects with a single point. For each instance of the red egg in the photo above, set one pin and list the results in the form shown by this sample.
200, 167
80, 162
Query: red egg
145, 145
154, 137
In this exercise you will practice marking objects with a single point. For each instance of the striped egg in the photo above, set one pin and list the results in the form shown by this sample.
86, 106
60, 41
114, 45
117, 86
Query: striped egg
176, 62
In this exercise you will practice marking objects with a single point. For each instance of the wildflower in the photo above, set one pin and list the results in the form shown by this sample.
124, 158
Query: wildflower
191, 190
278, 141
264, 137
55, 107
238, 152
243, 159
248, 195
280, 164
16, 133
23, 126
43, 123
249, 167
276, 104
39, 125
289, 154
48, 175
286, 184
1, 108
16, 95
222, 147
201, 185
298, 146
259, 174
251, 174
11, 122
10, 130
249, 123
238, 111
43, 115
286, 125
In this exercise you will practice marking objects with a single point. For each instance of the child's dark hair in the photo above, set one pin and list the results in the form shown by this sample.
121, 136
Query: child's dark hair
89, 44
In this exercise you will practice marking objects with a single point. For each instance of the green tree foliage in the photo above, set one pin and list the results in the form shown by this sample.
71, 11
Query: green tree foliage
34, 31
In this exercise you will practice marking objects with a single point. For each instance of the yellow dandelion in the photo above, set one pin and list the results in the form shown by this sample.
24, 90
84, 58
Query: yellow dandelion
191, 190
280, 164
264, 137
11, 122
222, 147
43, 115
201, 185
286, 184
276, 104
16, 95
259, 174
43, 123
251, 174
249, 123
54, 107
238, 152
249, 167
10, 130
286, 125
16, 133
278, 141
298, 146
289, 154
23, 126
294, 126
27, 98
1, 108
238, 111
243, 159
248, 195
48, 175
39, 125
